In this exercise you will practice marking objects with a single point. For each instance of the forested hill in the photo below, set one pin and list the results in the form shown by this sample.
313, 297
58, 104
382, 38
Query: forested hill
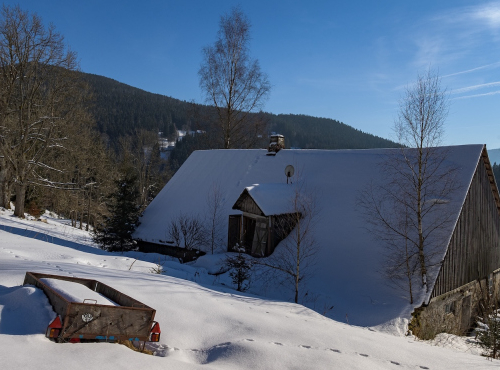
121, 110
308, 132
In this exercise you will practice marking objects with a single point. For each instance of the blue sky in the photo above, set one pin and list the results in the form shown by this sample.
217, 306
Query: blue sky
348, 61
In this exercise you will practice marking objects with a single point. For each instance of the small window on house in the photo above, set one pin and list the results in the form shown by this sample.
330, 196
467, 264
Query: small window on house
450, 307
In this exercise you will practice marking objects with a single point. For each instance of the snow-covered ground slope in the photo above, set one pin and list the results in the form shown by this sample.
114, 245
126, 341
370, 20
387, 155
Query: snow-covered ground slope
347, 275
203, 326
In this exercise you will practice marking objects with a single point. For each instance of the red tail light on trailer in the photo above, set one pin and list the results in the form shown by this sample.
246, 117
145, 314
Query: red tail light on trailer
54, 328
155, 333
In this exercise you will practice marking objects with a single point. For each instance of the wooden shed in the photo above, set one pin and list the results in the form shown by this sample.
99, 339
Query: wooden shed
268, 215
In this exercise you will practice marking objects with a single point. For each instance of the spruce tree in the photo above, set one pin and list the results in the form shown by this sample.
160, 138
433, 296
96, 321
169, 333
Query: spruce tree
240, 266
488, 334
115, 233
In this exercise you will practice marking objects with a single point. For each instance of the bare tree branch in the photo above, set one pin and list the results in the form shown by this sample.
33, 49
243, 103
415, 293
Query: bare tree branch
296, 254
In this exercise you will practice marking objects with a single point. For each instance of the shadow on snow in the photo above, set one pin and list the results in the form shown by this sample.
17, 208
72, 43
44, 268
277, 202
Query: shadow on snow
52, 239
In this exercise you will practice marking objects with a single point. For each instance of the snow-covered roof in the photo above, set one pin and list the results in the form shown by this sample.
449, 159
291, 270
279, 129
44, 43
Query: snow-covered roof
347, 274
272, 199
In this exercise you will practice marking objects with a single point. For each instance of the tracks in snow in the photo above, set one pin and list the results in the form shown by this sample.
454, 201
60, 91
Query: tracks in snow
211, 354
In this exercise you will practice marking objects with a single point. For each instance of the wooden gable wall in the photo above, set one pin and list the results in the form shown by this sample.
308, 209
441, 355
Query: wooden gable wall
474, 249
246, 203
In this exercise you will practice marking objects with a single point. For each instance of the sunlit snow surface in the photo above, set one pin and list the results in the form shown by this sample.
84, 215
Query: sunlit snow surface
204, 326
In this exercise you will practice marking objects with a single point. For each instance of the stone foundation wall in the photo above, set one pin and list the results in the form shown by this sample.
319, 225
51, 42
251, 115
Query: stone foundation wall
455, 312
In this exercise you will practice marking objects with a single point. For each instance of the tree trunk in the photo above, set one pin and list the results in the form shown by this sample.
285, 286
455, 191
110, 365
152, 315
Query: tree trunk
297, 267
408, 272
88, 209
20, 200
5, 185
5, 191
421, 252
2, 182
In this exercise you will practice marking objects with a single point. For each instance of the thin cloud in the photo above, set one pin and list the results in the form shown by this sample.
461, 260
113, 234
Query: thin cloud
489, 13
484, 15
429, 49
455, 33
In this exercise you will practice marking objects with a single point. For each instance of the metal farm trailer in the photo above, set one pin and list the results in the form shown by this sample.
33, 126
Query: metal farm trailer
76, 321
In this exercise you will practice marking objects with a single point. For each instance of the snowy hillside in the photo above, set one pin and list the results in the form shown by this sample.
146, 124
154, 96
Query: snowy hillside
204, 326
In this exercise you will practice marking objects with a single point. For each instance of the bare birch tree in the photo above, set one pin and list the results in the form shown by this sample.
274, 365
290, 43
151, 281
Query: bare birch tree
389, 222
295, 255
215, 217
406, 210
420, 125
234, 83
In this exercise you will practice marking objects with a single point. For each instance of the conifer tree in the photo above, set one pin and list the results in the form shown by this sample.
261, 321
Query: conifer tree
115, 233
488, 333
240, 266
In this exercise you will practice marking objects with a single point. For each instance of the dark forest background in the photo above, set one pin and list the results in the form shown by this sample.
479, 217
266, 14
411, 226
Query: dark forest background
121, 110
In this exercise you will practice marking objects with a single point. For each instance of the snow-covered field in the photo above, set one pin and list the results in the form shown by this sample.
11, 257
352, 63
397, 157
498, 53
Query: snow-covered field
204, 324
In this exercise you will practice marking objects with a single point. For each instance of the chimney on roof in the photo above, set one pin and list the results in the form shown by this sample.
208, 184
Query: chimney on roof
276, 143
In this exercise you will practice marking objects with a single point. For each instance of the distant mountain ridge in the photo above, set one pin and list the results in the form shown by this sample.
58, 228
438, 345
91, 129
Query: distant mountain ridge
494, 155
120, 110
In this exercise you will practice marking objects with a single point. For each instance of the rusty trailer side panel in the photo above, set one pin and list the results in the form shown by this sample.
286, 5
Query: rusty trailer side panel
131, 320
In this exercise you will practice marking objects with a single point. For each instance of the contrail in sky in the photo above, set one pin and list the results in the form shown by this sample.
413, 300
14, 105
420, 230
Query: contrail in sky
477, 95
475, 87
497, 64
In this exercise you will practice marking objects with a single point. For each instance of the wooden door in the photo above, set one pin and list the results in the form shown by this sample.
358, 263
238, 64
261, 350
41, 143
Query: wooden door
234, 232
